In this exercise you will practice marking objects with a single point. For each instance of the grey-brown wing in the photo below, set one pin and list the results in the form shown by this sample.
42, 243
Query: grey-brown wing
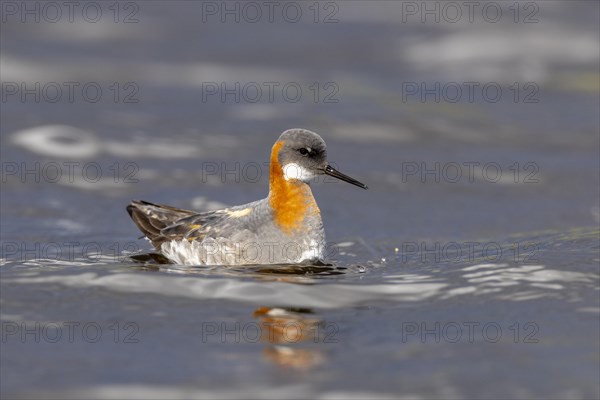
161, 223
226, 223
152, 218
196, 226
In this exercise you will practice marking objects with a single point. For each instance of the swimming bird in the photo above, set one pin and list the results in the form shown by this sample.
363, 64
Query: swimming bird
285, 227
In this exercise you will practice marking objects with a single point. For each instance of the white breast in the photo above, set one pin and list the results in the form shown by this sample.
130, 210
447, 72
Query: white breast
226, 252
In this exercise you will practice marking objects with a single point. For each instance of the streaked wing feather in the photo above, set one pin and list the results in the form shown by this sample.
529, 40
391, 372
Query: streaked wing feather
194, 226
152, 218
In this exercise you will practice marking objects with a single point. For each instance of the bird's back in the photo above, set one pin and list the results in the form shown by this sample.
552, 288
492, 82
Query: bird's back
240, 235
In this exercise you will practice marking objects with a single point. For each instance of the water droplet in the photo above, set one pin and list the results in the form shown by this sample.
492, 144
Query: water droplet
361, 269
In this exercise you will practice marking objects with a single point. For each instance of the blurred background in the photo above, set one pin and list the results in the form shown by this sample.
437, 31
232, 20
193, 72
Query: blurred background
469, 123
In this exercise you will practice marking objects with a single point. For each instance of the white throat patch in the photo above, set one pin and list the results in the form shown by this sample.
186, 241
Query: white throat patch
295, 171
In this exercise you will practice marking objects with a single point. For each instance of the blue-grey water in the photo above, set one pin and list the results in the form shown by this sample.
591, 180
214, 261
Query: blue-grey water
469, 269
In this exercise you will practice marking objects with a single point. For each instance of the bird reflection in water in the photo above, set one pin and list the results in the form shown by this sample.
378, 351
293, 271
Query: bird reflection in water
288, 330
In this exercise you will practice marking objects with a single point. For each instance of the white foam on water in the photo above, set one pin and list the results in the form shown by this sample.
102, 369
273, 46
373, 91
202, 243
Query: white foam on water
482, 266
592, 310
156, 392
152, 73
532, 282
535, 281
61, 141
281, 293
501, 55
155, 148
531, 273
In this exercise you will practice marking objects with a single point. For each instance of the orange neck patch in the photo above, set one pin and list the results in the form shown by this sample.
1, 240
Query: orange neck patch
290, 200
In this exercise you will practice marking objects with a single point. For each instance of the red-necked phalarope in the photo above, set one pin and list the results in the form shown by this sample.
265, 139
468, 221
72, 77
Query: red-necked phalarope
285, 227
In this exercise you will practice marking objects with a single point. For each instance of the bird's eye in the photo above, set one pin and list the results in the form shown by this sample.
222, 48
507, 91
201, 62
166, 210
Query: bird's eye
303, 151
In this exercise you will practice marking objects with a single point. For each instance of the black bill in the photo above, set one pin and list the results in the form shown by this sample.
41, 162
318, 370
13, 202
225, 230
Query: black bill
329, 170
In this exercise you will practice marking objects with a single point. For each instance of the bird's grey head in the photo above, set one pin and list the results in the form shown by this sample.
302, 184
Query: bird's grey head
302, 155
